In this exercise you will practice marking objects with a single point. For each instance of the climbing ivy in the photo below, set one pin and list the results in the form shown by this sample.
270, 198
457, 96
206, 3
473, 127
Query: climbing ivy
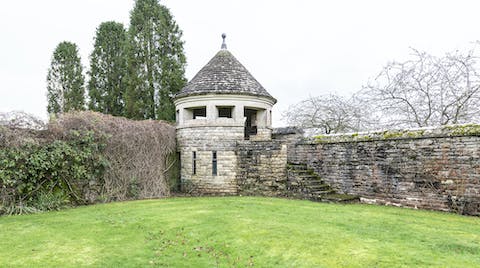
56, 172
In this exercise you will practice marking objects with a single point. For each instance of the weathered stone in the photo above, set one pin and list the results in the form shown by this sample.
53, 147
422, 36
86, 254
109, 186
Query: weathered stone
225, 112
262, 168
438, 172
220, 107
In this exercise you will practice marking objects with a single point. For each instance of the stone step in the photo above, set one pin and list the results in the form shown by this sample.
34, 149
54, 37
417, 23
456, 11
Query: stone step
297, 167
322, 192
301, 171
296, 164
307, 176
315, 181
318, 187
312, 185
338, 198
312, 181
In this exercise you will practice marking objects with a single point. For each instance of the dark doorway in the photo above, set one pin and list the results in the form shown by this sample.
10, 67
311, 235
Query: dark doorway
250, 123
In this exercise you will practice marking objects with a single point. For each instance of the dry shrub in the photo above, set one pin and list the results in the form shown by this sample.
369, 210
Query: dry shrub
17, 137
138, 151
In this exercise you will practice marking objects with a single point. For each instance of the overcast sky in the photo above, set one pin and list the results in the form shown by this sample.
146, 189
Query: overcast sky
293, 48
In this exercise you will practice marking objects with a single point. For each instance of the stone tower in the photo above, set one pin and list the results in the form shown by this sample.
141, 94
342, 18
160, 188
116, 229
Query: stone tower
221, 106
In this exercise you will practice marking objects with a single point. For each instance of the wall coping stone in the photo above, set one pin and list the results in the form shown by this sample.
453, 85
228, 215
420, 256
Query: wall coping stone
448, 131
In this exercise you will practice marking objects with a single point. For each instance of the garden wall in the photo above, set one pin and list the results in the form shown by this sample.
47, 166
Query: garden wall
435, 169
262, 168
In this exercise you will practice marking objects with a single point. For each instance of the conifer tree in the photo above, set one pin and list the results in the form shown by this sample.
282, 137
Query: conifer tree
156, 62
65, 80
108, 68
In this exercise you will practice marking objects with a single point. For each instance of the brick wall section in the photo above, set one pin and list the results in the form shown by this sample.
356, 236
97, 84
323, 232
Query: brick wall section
439, 173
262, 168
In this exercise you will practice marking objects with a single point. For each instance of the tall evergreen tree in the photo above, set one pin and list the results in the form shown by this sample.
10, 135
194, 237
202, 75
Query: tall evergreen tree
108, 68
156, 62
65, 80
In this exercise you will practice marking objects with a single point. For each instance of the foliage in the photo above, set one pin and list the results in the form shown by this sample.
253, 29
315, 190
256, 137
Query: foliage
239, 232
17, 209
108, 69
52, 201
84, 157
330, 113
426, 91
32, 171
138, 152
65, 89
156, 62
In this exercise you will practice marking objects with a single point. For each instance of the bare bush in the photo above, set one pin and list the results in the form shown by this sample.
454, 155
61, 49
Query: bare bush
138, 152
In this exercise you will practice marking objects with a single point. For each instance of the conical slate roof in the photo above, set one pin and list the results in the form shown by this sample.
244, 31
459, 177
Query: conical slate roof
224, 74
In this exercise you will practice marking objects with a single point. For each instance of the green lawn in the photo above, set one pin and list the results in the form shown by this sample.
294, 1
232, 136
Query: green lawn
239, 232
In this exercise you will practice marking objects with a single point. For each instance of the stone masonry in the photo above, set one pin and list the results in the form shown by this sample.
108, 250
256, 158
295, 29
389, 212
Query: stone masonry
262, 168
439, 172
218, 112
204, 141
227, 147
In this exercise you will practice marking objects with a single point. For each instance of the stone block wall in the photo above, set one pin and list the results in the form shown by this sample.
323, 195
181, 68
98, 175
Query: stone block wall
263, 134
204, 141
439, 171
289, 136
430, 169
262, 168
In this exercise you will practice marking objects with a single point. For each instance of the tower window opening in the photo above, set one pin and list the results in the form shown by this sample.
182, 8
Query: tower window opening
200, 112
194, 163
214, 163
225, 112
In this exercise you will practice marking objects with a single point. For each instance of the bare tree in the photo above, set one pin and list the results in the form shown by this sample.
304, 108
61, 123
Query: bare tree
19, 119
330, 113
426, 91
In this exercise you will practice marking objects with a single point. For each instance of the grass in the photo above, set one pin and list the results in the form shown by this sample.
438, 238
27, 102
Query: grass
239, 232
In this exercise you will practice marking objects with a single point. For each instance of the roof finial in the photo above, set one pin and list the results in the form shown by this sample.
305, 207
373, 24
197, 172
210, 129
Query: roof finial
224, 46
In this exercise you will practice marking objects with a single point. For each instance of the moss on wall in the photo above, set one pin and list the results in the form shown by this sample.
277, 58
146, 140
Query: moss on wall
445, 131
464, 130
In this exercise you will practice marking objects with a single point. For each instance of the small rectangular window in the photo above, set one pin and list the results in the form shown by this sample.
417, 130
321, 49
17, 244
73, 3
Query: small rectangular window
199, 112
194, 163
214, 163
225, 112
